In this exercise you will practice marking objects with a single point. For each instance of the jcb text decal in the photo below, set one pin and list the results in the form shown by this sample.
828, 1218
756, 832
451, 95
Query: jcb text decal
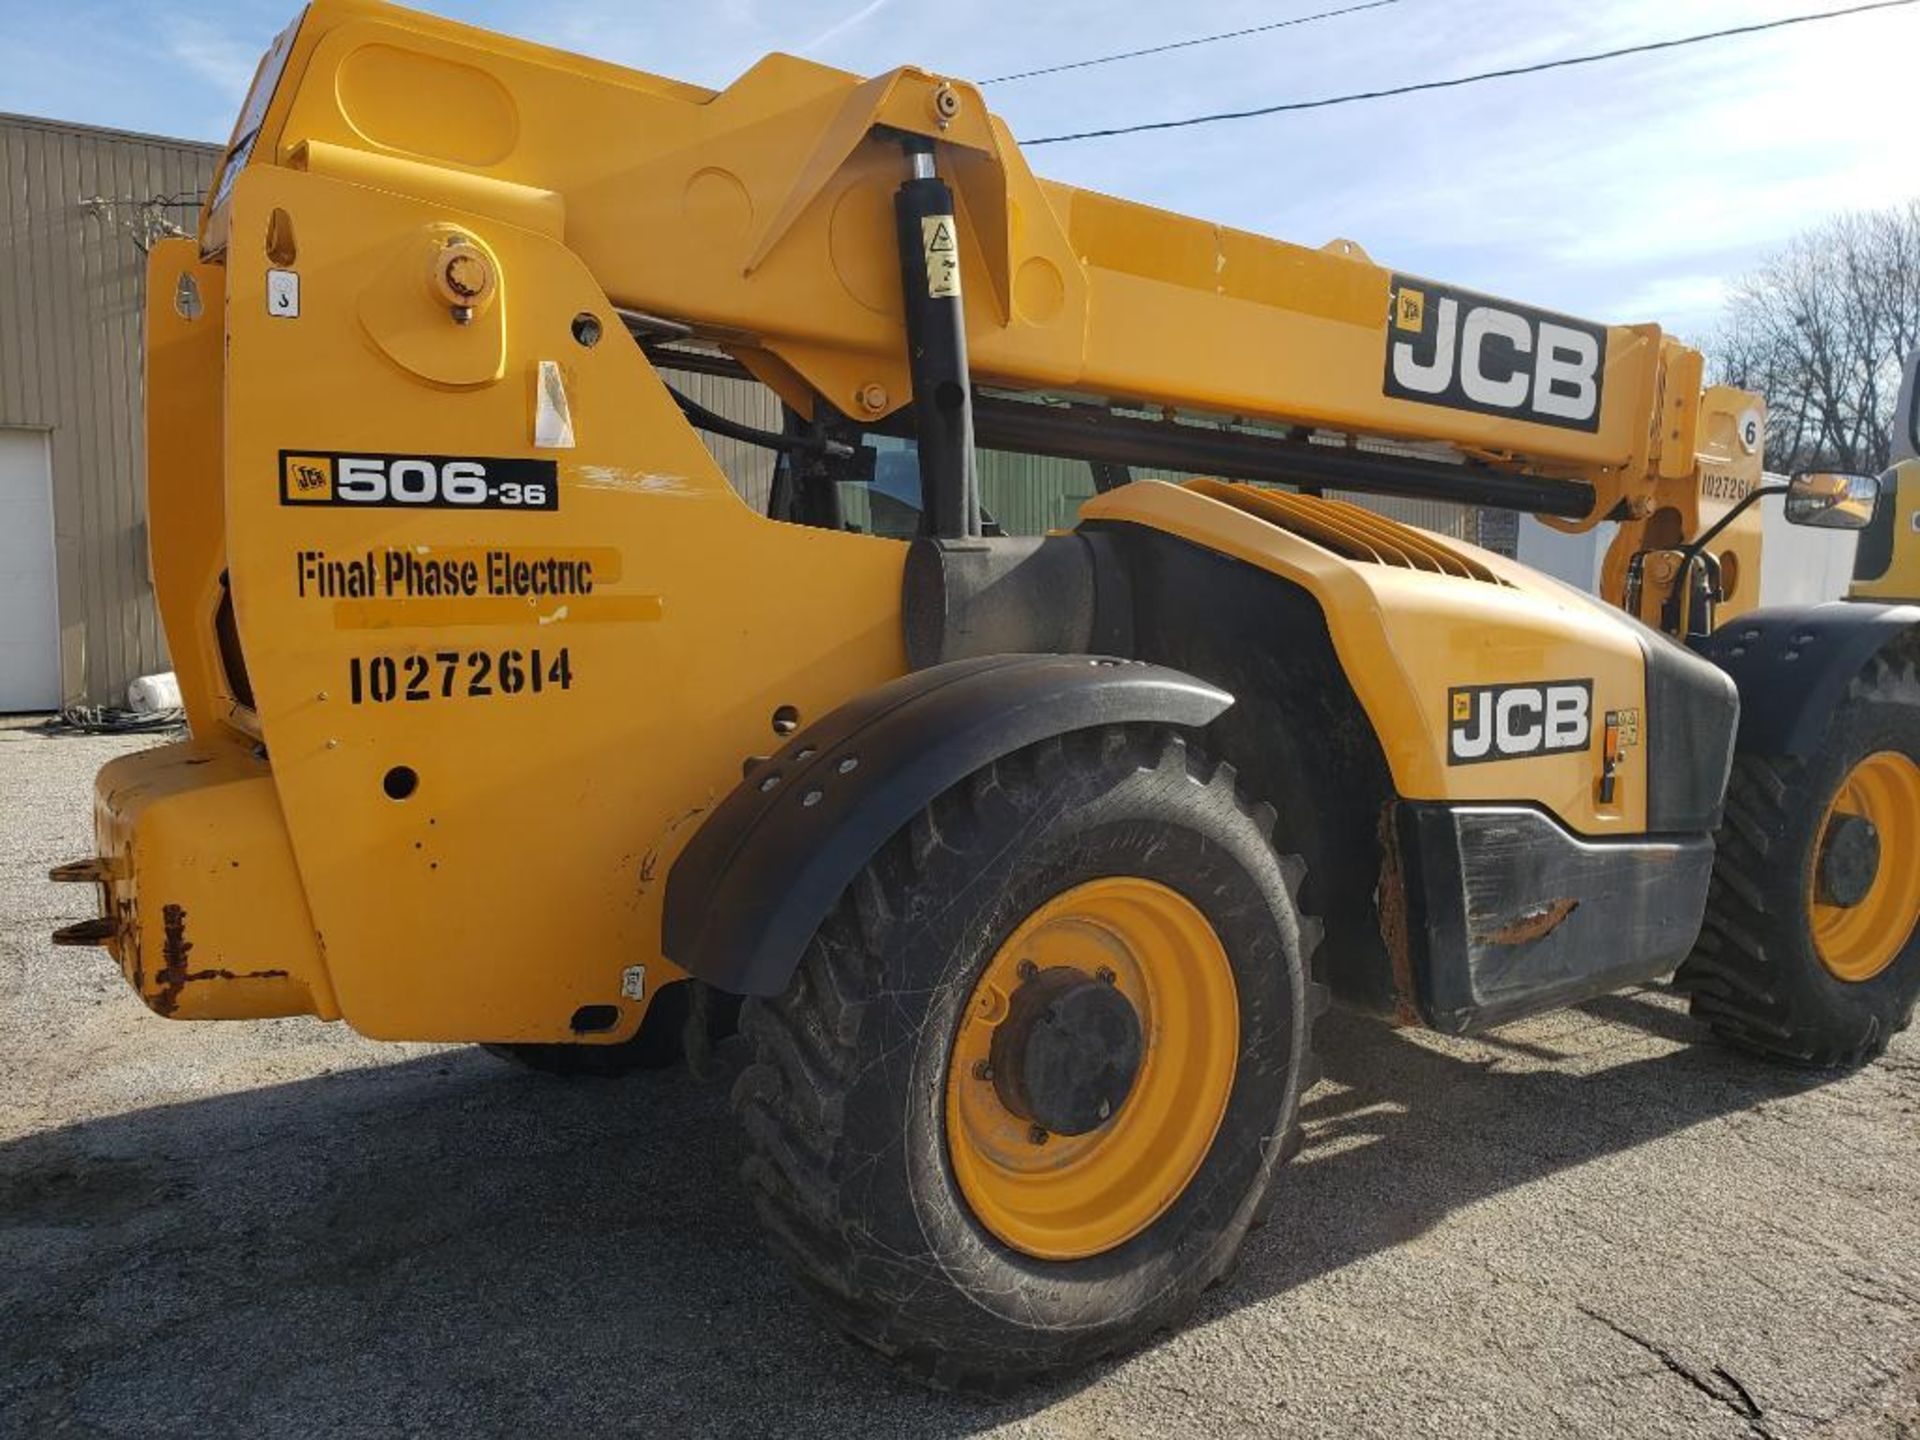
1469, 352
1510, 722
417, 482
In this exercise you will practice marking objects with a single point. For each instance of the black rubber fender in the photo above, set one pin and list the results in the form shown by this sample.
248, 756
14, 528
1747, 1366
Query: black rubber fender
766, 867
1793, 663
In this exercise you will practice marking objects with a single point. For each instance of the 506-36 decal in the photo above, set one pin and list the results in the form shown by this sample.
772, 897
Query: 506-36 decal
451, 674
418, 482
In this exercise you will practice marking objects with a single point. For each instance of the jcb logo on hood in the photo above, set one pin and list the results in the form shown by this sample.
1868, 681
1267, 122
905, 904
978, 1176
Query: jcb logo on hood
1469, 352
1510, 722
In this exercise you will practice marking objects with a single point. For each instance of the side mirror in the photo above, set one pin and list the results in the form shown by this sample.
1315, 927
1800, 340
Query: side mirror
1832, 499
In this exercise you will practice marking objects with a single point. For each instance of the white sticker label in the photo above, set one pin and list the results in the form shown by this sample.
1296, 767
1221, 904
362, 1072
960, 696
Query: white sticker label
552, 416
938, 240
633, 983
283, 294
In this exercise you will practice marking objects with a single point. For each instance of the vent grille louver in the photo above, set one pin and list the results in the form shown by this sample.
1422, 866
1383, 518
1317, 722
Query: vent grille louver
1349, 530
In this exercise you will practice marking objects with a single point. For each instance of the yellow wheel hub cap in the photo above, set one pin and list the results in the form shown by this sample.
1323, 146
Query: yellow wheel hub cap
1065, 1197
1857, 942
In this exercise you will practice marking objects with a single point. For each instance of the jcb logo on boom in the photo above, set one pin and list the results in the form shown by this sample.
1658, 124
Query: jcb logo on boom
1469, 352
1510, 722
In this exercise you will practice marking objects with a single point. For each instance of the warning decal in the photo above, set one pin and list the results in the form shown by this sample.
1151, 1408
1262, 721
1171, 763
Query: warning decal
943, 256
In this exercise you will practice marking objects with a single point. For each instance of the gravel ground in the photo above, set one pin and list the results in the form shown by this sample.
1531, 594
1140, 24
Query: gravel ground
1588, 1224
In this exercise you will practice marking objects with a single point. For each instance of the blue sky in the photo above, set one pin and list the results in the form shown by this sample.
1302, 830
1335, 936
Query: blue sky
1629, 191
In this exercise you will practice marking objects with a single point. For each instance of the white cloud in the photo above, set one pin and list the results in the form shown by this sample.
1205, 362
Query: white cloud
219, 57
842, 26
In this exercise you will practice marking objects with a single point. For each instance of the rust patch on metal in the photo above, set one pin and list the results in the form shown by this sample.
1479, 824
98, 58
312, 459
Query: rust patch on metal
171, 977
1391, 901
174, 976
1536, 923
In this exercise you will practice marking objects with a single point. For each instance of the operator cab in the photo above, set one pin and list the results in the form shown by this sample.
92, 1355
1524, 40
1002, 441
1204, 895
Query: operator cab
1887, 565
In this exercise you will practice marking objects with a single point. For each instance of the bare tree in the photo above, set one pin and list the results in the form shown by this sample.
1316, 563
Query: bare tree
1821, 330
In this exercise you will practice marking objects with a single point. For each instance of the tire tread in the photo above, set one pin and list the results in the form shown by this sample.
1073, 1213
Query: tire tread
801, 1168
1740, 977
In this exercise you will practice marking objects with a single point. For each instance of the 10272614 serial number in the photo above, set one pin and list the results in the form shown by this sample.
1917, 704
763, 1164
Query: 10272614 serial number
448, 674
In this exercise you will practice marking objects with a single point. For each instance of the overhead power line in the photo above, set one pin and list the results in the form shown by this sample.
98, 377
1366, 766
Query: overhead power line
1187, 44
1424, 85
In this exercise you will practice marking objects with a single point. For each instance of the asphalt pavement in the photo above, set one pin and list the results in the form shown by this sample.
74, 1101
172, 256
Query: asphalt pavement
1595, 1223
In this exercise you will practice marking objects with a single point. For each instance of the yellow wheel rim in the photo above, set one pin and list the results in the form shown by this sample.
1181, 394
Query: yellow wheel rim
1858, 942
1066, 1197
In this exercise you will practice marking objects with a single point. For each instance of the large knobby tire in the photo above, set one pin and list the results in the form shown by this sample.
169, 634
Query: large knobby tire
1776, 974
848, 1102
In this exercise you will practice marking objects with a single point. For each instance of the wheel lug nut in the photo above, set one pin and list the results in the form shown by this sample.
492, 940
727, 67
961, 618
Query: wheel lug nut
1105, 975
982, 1070
1037, 1134
1026, 969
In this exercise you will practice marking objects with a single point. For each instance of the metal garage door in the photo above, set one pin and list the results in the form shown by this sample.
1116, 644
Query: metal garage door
29, 631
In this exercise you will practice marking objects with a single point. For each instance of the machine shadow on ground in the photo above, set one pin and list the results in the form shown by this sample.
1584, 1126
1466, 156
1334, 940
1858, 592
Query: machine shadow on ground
447, 1241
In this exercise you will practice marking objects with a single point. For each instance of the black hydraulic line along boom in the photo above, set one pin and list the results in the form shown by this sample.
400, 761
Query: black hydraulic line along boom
701, 418
1100, 437
1096, 435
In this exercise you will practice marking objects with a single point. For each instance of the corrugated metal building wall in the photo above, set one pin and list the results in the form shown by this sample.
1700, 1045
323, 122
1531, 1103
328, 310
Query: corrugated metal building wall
748, 467
80, 206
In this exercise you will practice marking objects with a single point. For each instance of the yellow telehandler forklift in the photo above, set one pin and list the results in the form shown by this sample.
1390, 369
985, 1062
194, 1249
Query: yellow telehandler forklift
1887, 563
1033, 858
